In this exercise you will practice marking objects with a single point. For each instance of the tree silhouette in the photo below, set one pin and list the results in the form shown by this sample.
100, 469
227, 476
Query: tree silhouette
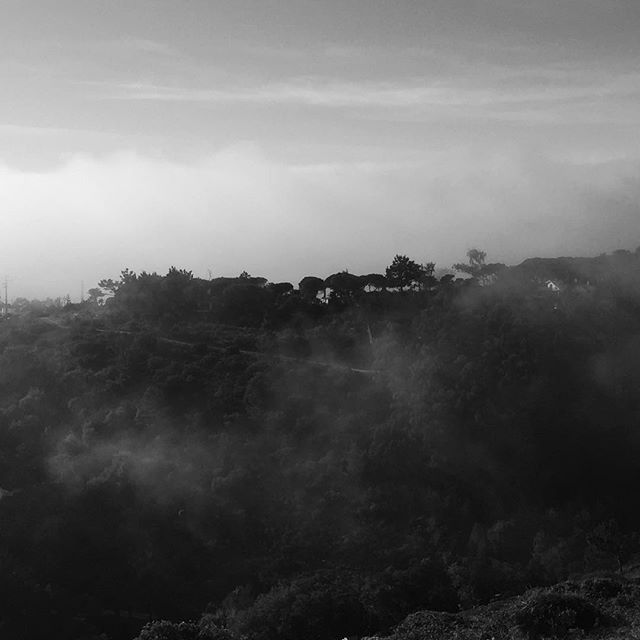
310, 285
475, 264
477, 268
344, 285
404, 272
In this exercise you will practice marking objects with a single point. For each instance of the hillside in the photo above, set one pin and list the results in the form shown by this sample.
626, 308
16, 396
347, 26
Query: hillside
603, 607
276, 463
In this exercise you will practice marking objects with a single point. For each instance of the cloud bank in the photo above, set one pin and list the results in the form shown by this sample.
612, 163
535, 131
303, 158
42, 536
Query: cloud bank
239, 209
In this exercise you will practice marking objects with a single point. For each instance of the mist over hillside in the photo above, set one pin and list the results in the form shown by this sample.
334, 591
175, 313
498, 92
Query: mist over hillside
257, 460
319, 320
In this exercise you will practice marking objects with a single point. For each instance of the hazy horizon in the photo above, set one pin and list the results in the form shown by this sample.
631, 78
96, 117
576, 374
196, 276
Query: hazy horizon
295, 138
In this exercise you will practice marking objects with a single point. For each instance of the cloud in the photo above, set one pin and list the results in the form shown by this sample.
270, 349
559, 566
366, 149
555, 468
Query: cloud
142, 46
533, 96
345, 94
239, 209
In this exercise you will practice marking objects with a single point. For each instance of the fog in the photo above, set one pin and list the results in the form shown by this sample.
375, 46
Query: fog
240, 208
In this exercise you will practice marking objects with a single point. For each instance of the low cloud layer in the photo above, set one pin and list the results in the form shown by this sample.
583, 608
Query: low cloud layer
239, 209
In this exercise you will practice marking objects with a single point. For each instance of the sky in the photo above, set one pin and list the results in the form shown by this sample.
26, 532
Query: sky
290, 138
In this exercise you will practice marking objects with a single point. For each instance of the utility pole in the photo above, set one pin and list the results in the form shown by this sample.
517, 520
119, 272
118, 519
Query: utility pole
82, 291
6, 297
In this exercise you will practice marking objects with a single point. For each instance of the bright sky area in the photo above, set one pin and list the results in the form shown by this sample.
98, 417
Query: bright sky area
289, 138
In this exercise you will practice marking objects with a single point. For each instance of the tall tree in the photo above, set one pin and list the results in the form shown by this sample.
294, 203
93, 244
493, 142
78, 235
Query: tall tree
310, 285
475, 263
404, 272
344, 285
477, 268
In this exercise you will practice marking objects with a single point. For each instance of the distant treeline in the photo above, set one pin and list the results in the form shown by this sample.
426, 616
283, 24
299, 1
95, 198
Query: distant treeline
253, 300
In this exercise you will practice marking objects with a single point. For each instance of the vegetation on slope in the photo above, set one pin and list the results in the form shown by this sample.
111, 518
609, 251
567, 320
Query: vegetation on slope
298, 465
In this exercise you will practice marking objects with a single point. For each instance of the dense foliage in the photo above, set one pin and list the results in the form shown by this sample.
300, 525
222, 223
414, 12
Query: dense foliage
315, 462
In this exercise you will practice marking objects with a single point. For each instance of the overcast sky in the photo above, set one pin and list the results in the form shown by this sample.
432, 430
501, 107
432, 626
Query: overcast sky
304, 137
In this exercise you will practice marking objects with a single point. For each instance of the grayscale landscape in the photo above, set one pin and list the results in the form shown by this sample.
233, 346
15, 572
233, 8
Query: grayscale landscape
319, 320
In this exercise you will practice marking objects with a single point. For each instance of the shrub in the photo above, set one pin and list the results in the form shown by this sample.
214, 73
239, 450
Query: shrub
165, 630
602, 587
206, 629
554, 615
316, 607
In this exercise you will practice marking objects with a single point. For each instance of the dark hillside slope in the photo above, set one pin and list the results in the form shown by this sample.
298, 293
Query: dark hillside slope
603, 607
312, 469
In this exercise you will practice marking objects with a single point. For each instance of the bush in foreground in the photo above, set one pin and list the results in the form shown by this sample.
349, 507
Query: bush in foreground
554, 615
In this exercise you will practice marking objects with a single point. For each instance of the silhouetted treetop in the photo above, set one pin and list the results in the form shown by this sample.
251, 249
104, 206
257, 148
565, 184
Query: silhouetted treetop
404, 272
310, 286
